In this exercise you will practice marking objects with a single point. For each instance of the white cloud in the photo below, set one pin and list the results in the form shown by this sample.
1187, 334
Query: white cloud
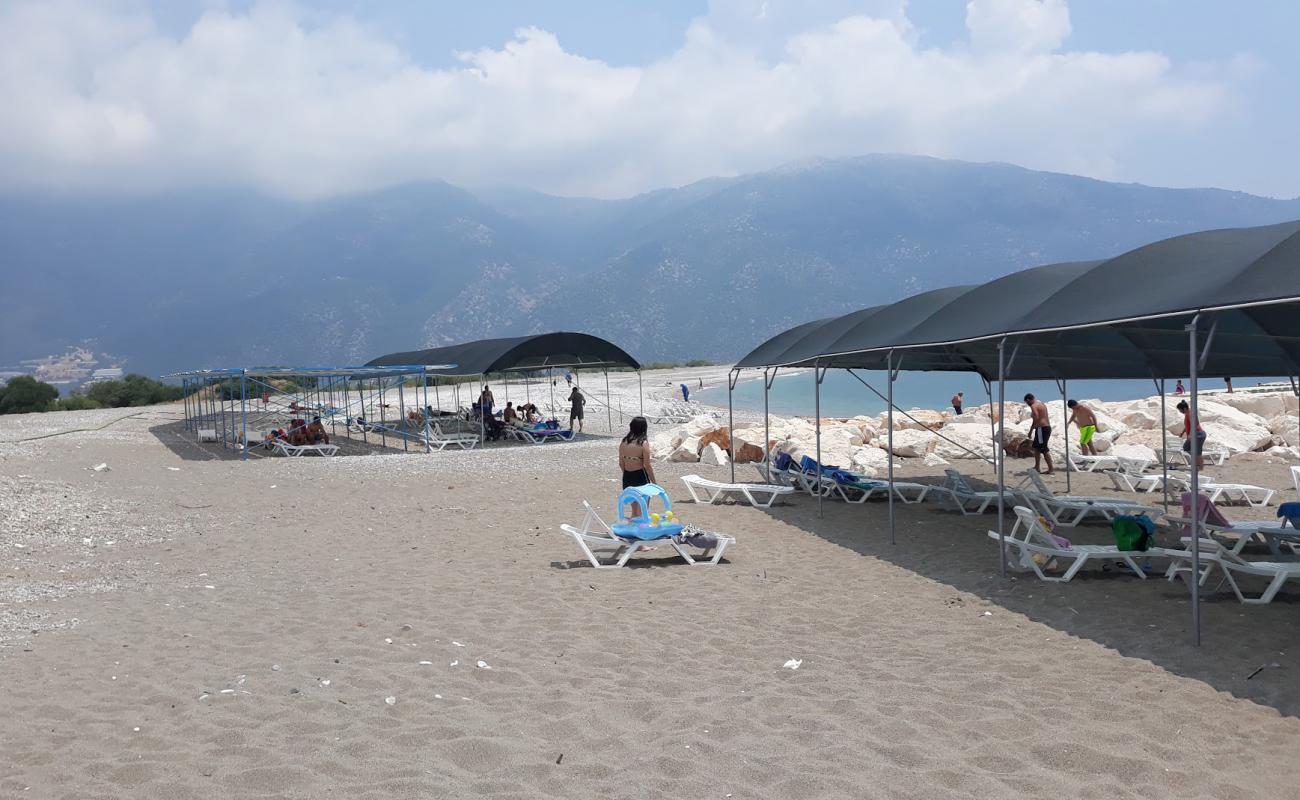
96, 95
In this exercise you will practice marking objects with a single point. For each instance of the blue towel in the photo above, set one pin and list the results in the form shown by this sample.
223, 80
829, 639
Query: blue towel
1290, 511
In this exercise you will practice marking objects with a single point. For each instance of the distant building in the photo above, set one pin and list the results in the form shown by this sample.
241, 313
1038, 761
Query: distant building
109, 374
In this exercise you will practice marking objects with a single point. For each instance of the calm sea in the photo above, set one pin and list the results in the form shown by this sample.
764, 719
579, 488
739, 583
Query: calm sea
843, 396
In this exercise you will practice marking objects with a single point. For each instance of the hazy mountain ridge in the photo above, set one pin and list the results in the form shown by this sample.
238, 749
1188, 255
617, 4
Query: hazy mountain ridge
706, 270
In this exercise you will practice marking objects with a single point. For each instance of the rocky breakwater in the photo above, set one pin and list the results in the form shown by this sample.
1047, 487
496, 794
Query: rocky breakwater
1241, 422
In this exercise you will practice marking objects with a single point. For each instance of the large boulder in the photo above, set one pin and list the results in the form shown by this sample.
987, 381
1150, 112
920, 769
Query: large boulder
748, 453
721, 437
870, 461
661, 444
1284, 429
924, 419
911, 443
684, 454
701, 425
934, 460
969, 440
1135, 451
1259, 404
713, 455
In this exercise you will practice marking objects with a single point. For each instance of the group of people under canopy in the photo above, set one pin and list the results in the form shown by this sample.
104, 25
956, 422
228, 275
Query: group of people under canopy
299, 433
525, 415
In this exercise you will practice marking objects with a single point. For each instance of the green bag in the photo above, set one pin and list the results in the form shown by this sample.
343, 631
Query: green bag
1133, 532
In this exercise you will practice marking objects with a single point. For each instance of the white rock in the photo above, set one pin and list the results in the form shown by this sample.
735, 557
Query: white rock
685, 455
911, 443
934, 460
793, 663
870, 461
713, 455
1284, 429
701, 425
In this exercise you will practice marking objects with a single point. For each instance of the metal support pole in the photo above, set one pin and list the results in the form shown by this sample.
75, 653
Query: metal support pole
1065, 432
767, 429
243, 413
609, 406
731, 423
482, 416
640, 396
428, 435
401, 409
1193, 362
1000, 454
889, 366
1164, 443
817, 411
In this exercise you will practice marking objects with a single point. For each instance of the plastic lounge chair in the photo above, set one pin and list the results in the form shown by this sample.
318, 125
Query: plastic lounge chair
1295, 477
1214, 523
1069, 510
1253, 496
596, 537
441, 440
853, 488
1233, 566
1086, 463
713, 491
1035, 540
299, 450
1130, 476
967, 499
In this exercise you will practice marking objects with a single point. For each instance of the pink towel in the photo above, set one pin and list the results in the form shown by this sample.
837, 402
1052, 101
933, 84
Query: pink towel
1209, 512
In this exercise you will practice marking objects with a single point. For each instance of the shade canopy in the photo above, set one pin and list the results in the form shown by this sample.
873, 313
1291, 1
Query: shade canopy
539, 351
1122, 317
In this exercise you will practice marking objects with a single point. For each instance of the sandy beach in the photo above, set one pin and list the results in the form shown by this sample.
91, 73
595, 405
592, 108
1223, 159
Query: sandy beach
183, 625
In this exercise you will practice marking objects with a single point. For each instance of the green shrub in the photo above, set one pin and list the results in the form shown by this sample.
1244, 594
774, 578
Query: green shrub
76, 402
133, 390
699, 362
24, 394
661, 365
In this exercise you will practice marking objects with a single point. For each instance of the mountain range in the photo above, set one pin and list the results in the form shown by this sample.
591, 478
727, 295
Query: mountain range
204, 279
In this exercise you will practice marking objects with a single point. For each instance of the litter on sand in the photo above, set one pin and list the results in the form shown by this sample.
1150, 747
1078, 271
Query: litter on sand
483, 665
100, 468
390, 700
793, 663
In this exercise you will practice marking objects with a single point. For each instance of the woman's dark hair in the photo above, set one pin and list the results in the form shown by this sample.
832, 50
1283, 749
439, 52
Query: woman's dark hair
1182, 405
636, 431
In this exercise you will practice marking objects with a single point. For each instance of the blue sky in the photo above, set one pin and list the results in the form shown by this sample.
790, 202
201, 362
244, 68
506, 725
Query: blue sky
612, 98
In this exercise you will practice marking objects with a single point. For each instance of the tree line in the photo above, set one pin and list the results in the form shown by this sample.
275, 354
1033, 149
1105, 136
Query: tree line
24, 395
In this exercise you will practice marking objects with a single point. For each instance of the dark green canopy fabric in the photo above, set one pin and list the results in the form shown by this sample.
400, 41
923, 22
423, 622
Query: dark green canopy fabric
1122, 317
538, 351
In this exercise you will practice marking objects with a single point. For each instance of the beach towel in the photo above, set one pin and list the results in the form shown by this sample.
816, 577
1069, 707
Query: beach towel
1209, 512
1290, 511
783, 461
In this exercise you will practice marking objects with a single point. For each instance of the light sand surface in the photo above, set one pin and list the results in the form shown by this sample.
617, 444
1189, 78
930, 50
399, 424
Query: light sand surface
189, 626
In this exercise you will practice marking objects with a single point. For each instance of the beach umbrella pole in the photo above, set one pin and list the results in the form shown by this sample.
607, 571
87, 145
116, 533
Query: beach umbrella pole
1195, 362
889, 366
817, 422
1004, 365
1063, 384
1164, 442
731, 423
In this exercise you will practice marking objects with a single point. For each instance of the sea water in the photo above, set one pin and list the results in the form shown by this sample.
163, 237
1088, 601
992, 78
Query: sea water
843, 395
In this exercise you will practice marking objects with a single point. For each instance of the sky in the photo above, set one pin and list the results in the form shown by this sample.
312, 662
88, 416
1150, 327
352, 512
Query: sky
610, 98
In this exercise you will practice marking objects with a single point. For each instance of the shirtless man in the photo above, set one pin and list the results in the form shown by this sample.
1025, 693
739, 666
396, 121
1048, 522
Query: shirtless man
1039, 433
1083, 417
956, 403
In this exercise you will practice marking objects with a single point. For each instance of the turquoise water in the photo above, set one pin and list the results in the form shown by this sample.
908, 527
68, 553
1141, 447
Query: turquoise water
843, 396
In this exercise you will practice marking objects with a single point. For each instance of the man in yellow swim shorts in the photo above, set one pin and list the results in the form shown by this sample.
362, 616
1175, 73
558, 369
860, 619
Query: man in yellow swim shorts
1082, 416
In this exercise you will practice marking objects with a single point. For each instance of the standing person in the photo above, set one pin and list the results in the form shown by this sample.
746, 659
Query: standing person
956, 403
701, 383
1039, 432
1178, 387
1200, 434
634, 458
686, 394
1228, 382
485, 401
568, 378
1083, 417
576, 402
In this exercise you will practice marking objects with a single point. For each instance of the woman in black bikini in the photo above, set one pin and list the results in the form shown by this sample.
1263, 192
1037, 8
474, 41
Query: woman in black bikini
634, 455
634, 459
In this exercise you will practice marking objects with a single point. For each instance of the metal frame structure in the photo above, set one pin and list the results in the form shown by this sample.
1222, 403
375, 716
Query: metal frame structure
210, 403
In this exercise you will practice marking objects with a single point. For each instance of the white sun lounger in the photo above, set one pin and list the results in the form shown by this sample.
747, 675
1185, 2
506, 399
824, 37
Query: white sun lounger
967, 499
705, 491
1213, 554
1253, 496
1069, 510
1130, 476
859, 493
1034, 539
596, 537
1085, 463
298, 450
440, 440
